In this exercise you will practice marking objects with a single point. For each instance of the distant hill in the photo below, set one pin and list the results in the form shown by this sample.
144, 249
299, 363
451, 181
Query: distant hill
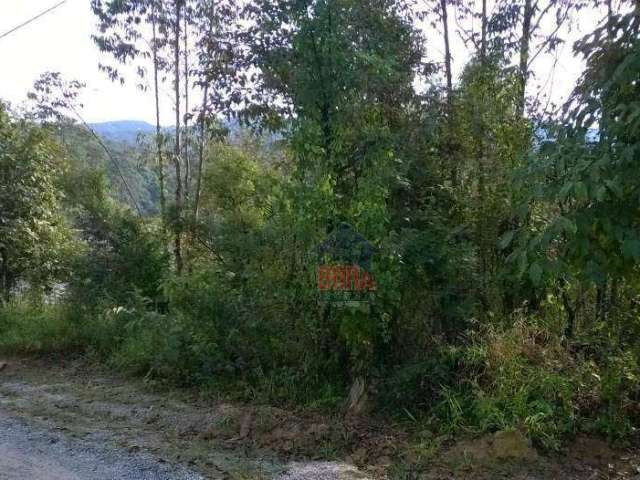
125, 131
128, 160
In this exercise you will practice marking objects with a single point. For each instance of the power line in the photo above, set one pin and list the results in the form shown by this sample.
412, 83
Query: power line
111, 157
32, 19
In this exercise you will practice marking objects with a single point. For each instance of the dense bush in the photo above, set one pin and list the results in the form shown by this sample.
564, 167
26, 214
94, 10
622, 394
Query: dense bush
518, 377
121, 258
506, 267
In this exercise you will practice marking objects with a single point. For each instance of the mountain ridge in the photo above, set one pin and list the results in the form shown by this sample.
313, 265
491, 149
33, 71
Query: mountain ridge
125, 131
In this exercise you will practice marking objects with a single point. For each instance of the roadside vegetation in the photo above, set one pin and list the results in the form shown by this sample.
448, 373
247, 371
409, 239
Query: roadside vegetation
506, 237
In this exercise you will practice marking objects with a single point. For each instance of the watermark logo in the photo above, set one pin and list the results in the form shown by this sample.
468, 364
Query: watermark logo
345, 278
344, 268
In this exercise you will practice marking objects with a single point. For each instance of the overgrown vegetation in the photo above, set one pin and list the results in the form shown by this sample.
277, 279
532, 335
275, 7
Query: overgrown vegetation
505, 240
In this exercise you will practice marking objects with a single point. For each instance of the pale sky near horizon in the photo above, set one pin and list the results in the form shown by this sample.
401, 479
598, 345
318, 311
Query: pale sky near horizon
61, 41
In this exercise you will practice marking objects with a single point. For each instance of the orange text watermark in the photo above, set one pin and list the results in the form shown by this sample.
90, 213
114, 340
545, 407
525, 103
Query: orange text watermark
345, 278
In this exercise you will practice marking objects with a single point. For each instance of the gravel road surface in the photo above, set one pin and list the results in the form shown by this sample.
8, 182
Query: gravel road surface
29, 454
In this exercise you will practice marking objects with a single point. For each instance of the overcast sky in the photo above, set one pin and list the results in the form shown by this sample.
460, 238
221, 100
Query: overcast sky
61, 41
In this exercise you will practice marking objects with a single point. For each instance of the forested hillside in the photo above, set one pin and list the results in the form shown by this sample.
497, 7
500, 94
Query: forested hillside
381, 238
125, 131
115, 155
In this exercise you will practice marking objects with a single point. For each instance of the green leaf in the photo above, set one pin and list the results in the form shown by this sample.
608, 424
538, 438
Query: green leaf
615, 187
566, 189
581, 191
566, 225
535, 273
506, 239
631, 248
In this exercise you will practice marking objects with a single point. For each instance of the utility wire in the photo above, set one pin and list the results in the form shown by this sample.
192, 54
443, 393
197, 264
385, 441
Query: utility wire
32, 19
86, 125
112, 158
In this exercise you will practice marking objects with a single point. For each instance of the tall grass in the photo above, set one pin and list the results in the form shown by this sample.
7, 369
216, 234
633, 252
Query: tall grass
28, 326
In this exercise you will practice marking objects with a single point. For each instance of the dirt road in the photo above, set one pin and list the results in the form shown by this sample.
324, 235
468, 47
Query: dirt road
27, 453
30, 454
67, 423
70, 421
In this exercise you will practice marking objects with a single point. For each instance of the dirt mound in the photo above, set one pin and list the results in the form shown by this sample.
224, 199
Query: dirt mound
497, 447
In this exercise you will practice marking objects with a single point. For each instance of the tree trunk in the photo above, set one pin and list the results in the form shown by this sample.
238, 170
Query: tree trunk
601, 314
177, 250
483, 39
5, 287
358, 402
571, 316
202, 121
449, 148
610, 29
480, 159
202, 124
447, 51
185, 138
523, 72
163, 201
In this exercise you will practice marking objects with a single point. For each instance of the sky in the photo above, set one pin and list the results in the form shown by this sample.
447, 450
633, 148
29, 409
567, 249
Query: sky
61, 41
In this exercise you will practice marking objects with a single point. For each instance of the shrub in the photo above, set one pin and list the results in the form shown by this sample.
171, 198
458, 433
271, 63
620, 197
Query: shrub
29, 326
502, 378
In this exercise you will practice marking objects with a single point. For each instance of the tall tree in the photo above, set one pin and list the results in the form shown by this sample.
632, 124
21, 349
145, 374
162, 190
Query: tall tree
450, 149
33, 233
219, 72
444, 19
534, 41
124, 33
341, 74
155, 47
583, 205
187, 86
177, 245
328, 75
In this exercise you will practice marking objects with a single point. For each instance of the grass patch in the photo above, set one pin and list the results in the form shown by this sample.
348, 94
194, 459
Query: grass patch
27, 327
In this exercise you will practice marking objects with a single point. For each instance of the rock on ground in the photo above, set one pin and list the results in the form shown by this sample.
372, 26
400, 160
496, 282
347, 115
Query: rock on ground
322, 471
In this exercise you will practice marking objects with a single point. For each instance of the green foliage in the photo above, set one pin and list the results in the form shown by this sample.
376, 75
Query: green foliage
506, 266
130, 161
122, 257
528, 383
29, 327
35, 239
512, 379
582, 205
619, 386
